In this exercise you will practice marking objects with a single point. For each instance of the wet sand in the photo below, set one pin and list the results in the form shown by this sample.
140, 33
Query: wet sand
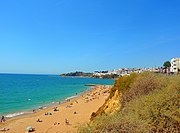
77, 111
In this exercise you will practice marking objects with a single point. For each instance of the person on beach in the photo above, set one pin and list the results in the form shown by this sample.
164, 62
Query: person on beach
66, 122
3, 119
4, 129
38, 120
75, 112
48, 113
56, 109
56, 123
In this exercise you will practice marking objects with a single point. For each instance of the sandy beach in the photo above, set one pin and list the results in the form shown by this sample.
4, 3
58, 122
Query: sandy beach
62, 118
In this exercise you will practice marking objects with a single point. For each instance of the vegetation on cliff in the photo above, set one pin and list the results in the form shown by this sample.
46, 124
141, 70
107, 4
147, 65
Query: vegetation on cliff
147, 103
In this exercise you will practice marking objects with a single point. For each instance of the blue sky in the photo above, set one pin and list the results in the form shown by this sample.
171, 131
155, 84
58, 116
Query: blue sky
56, 36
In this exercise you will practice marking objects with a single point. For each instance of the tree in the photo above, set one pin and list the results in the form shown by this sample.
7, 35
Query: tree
167, 64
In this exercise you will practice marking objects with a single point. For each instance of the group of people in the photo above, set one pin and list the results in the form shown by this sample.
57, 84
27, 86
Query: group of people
38, 120
56, 109
4, 129
48, 113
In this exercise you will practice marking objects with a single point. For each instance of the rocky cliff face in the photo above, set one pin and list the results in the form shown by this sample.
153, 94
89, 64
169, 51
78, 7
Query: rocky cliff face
111, 105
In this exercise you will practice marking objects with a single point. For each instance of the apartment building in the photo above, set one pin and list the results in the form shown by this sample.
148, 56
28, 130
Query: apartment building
175, 65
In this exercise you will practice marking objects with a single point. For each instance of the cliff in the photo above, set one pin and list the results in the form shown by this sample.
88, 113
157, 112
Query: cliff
110, 106
114, 101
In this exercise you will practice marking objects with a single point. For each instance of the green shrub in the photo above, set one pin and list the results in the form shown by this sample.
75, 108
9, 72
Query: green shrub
143, 85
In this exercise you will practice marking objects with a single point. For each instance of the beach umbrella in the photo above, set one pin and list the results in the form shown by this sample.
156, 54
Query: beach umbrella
29, 128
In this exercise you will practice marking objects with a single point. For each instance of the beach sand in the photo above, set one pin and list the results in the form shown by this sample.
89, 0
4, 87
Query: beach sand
77, 111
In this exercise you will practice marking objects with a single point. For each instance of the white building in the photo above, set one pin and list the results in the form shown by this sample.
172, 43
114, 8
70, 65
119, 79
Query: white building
175, 65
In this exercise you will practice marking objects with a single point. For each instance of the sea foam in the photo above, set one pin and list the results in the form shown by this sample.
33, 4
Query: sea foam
14, 114
69, 98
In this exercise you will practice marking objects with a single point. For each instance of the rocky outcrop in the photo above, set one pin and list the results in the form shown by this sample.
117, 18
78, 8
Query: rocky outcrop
111, 105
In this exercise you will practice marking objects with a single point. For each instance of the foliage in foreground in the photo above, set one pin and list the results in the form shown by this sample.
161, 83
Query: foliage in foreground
151, 103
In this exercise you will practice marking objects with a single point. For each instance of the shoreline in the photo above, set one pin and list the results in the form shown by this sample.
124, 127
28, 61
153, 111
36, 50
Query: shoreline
66, 104
27, 112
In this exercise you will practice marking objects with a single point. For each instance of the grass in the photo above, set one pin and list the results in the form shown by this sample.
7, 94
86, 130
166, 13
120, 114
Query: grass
151, 103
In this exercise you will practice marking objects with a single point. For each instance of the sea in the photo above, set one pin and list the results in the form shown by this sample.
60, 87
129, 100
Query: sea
21, 93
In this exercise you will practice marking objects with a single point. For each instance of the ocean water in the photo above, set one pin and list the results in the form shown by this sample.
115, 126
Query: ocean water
20, 92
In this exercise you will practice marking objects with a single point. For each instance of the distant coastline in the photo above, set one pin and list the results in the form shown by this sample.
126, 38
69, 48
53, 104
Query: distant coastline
89, 75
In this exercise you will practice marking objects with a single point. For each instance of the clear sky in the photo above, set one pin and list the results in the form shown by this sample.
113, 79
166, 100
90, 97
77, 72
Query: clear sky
56, 36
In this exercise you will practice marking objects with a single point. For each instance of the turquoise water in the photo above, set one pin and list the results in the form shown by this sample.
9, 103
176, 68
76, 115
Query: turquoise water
24, 92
